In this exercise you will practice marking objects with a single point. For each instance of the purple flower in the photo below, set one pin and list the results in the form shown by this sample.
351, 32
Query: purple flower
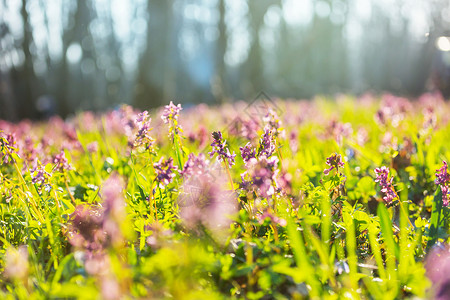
165, 171
159, 234
437, 265
92, 147
92, 229
171, 112
143, 138
39, 175
29, 151
284, 182
61, 162
123, 120
335, 162
381, 116
443, 180
219, 147
247, 152
170, 116
430, 118
205, 202
195, 166
114, 208
249, 129
273, 122
85, 228
386, 184
293, 140
266, 143
112, 195
392, 110
71, 135
262, 174
339, 130
442, 175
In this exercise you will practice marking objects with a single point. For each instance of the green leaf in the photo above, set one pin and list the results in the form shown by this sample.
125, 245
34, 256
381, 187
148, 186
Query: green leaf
386, 229
436, 211
62, 267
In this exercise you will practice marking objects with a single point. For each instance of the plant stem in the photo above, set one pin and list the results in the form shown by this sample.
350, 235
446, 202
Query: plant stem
402, 208
229, 175
67, 187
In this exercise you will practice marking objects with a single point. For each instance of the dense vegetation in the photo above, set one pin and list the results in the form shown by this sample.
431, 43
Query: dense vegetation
328, 199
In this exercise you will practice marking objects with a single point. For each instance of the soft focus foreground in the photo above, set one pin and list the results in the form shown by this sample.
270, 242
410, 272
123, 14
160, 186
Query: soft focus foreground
322, 200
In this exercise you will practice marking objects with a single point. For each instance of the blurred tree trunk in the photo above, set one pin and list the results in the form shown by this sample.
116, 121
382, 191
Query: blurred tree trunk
253, 67
151, 87
219, 82
62, 74
26, 78
7, 108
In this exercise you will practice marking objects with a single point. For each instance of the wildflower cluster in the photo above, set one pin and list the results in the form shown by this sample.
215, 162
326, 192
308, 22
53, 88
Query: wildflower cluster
273, 122
386, 184
443, 180
165, 171
205, 202
267, 143
93, 229
170, 116
61, 162
39, 175
195, 166
247, 152
142, 137
219, 147
261, 173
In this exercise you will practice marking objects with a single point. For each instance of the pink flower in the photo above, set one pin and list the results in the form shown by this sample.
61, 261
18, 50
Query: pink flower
170, 116
143, 138
443, 180
386, 184
16, 263
171, 112
247, 152
219, 147
262, 173
195, 166
165, 171
334, 161
267, 143
437, 265
61, 162
205, 202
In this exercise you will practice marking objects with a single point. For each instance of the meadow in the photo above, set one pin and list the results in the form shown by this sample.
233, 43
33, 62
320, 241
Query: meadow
343, 198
